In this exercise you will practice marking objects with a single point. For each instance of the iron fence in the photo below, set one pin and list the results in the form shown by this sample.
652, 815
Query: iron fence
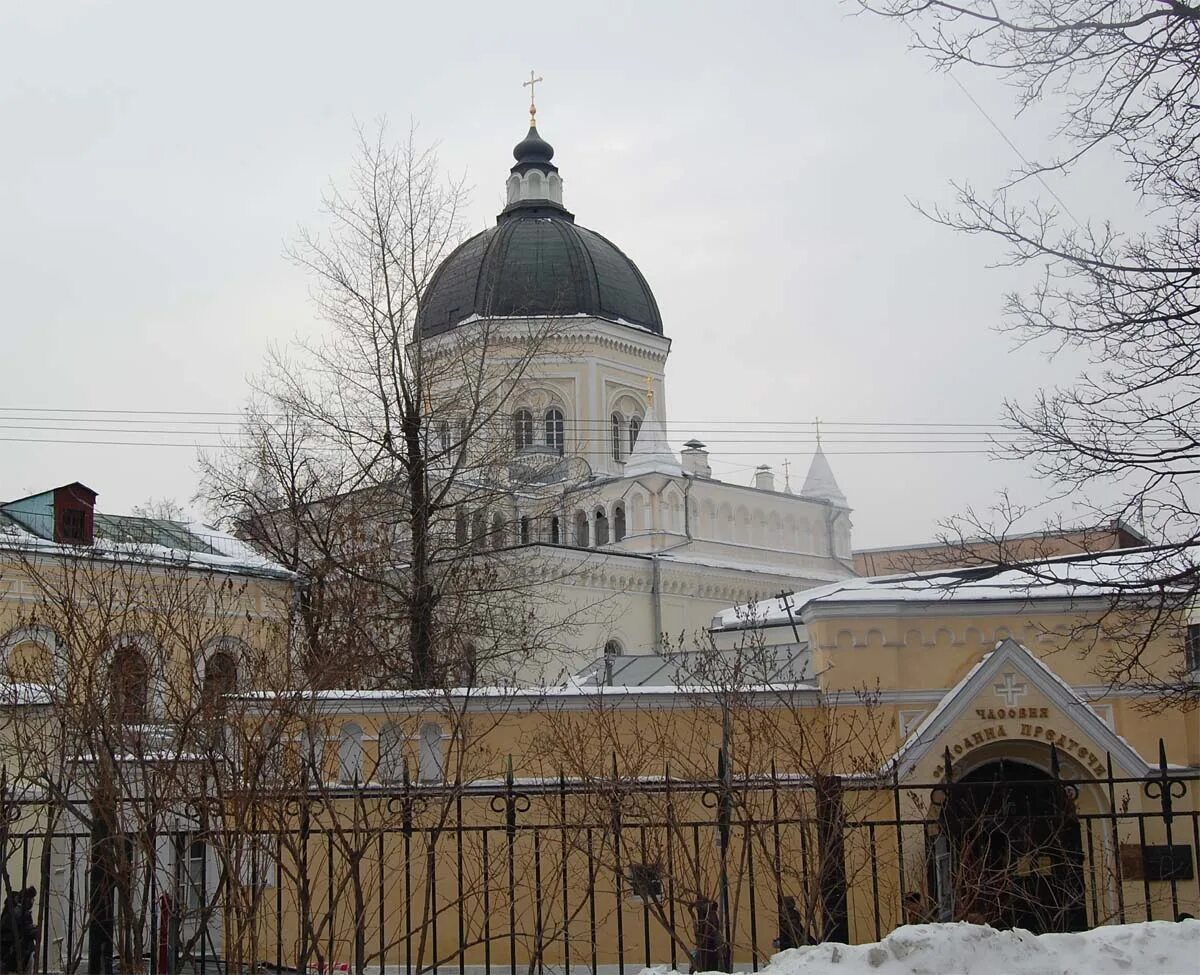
519, 875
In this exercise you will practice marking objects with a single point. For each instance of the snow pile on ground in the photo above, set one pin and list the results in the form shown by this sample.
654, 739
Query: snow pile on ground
1157, 947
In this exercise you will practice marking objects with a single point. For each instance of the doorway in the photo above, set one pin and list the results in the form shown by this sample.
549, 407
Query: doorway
1008, 851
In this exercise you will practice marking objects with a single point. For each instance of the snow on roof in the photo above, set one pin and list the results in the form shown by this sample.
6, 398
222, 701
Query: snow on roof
175, 543
1128, 572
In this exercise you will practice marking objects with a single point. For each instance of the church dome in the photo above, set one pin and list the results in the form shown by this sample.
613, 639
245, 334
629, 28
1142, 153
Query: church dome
537, 261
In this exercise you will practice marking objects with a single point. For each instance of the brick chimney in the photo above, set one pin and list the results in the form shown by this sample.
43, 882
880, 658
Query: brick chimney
764, 478
694, 459
74, 510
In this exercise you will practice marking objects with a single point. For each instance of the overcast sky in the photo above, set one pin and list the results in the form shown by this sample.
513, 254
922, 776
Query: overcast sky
756, 160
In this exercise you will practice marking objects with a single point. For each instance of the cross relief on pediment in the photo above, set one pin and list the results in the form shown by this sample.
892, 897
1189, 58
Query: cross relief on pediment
1011, 704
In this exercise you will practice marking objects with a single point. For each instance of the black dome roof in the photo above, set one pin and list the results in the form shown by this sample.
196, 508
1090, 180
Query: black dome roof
537, 264
537, 261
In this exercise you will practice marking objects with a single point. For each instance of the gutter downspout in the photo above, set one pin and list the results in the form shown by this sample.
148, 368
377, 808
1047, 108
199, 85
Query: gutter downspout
655, 574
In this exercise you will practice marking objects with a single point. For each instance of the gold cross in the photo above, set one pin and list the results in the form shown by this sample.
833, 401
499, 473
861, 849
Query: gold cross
818, 431
787, 480
531, 85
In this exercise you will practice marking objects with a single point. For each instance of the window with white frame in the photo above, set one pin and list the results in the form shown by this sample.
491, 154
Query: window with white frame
554, 430
431, 765
1191, 648
523, 429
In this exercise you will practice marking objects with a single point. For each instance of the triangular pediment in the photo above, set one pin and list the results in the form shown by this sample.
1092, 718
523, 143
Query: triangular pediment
1012, 696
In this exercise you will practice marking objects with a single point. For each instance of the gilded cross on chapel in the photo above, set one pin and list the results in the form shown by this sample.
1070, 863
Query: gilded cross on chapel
531, 84
1010, 689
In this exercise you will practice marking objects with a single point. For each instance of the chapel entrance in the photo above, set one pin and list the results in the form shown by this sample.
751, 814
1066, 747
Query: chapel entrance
1008, 851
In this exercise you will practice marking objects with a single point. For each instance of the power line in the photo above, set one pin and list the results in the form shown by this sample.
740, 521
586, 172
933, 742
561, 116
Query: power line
1034, 169
737, 426
193, 446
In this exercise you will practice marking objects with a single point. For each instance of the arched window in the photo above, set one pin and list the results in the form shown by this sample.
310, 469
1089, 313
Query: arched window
525, 529
618, 522
432, 764
350, 754
554, 430
635, 427
601, 527
523, 429
499, 531
581, 529
460, 526
554, 530
220, 678
616, 436
444, 435
129, 678
390, 767
479, 531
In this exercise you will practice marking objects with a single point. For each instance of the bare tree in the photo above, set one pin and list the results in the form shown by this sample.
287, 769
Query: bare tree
381, 463
694, 794
1124, 76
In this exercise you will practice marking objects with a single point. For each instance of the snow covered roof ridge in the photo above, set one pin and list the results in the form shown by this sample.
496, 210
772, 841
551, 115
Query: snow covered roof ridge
820, 482
652, 454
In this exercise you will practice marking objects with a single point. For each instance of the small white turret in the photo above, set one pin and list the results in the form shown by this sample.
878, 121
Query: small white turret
820, 483
652, 454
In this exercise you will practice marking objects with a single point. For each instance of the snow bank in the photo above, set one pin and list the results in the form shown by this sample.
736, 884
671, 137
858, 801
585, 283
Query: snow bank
1158, 947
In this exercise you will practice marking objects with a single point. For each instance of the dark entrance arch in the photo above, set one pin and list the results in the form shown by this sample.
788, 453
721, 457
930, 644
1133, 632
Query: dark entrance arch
1008, 851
